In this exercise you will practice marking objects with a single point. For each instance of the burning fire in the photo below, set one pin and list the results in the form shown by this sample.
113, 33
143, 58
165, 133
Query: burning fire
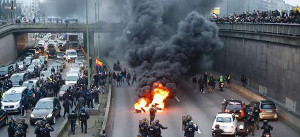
159, 93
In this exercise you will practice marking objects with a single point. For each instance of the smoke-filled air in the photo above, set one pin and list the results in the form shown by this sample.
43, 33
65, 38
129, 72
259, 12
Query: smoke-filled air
161, 51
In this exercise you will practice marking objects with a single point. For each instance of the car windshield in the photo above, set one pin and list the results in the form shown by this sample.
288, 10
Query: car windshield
28, 84
31, 67
223, 119
234, 106
268, 106
11, 97
20, 63
44, 105
16, 78
72, 53
60, 54
72, 78
64, 88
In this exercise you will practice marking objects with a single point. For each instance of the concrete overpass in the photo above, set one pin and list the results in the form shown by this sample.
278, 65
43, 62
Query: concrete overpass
268, 55
13, 37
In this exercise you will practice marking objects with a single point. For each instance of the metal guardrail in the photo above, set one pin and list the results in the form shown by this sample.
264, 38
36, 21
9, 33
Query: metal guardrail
273, 28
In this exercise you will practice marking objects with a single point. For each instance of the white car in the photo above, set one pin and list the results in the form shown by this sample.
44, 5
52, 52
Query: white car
71, 55
71, 78
37, 62
30, 68
11, 99
227, 122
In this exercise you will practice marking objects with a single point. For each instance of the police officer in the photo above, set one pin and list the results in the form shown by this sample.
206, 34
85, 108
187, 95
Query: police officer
83, 117
221, 81
72, 117
11, 128
19, 131
190, 129
46, 131
24, 127
187, 120
66, 105
217, 132
143, 128
38, 129
152, 111
267, 128
228, 79
152, 130
159, 127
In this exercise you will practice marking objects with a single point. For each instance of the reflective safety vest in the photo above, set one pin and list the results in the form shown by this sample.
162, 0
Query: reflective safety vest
221, 80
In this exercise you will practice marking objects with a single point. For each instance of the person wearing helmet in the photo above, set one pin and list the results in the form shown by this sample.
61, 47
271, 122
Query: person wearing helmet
187, 120
46, 131
241, 131
19, 131
190, 129
38, 129
143, 128
267, 128
217, 132
24, 127
159, 127
11, 128
221, 82
83, 117
153, 130
72, 117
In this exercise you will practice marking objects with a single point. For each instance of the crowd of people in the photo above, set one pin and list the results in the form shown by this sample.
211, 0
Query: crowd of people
257, 16
210, 81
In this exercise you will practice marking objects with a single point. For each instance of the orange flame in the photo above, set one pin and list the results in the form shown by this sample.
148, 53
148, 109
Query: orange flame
159, 95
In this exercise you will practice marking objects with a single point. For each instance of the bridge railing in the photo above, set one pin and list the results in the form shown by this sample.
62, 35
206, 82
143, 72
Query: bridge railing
274, 28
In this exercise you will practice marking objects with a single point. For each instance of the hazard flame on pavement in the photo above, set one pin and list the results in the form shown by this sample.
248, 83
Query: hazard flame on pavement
159, 93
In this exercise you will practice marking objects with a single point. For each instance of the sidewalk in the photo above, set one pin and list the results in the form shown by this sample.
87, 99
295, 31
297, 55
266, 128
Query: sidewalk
287, 117
95, 121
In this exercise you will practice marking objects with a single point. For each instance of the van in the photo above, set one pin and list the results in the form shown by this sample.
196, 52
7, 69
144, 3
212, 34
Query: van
71, 55
11, 99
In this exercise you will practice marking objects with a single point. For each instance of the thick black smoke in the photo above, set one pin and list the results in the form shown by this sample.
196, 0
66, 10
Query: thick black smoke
160, 53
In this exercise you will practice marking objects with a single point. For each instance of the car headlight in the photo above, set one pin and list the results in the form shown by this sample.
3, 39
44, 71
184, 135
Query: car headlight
31, 115
49, 115
6, 75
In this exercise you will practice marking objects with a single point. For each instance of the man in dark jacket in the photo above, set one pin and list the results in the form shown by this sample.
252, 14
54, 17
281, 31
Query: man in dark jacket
66, 105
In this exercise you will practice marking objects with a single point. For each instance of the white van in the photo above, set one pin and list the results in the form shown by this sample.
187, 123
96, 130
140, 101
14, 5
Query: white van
11, 99
71, 55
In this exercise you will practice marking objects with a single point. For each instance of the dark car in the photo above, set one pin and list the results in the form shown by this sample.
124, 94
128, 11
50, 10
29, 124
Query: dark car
48, 108
51, 47
234, 107
60, 55
3, 117
268, 110
52, 53
6, 72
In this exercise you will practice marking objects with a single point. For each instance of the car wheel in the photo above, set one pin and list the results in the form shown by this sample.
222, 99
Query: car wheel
53, 120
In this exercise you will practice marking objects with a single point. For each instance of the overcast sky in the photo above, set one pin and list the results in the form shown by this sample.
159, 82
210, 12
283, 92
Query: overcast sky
293, 2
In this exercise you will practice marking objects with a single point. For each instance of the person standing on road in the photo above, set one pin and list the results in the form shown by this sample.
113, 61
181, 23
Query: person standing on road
159, 127
83, 117
152, 111
102, 86
11, 128
190, 129
38, 129
217, 132
46, 131
66, 105
89, 98
152, 130
143, 128
205, 78
72, 117
134, 77
24, 127
194, 80
243, 80
201, 85
128, 77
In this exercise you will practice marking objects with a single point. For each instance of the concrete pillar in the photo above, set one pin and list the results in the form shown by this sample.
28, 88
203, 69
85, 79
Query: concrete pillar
8, 52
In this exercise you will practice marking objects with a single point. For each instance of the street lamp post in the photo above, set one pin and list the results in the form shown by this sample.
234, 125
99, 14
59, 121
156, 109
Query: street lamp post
87, 44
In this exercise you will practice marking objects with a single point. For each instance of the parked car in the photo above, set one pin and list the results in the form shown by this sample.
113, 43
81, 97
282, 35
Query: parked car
268, 110
11, 99
227, 122
48, 108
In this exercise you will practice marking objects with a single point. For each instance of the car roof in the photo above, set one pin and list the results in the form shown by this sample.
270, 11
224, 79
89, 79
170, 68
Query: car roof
47, 99
18, 74
234, 101
267, 102
224, 115
72, 74
14, 90
33, 81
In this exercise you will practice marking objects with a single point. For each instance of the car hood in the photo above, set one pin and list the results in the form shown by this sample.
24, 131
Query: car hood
41, 113
10, 103
70, 82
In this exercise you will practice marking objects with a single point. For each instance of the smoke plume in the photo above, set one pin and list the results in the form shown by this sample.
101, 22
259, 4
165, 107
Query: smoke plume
151, 44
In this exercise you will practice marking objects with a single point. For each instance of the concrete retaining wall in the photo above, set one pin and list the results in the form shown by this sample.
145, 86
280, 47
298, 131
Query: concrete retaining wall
8, 49
271, 68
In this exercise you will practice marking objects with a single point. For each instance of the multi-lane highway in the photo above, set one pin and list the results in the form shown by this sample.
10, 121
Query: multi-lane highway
203, 108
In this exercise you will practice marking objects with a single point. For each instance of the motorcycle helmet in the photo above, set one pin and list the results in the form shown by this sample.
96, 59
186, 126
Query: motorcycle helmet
191, 123
156, 121
241, 127
265, 122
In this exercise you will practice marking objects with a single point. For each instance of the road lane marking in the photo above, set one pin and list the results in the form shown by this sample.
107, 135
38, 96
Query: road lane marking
177, 99
199, 131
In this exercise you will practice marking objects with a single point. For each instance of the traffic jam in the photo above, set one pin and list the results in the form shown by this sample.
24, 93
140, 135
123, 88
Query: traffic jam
35, 87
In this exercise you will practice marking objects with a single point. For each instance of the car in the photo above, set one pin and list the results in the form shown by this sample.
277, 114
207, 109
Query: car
71, 78
22, 65
54, 66
30, 69
62, 63
80, 53
3, 117
228, 123
234, 107
33, 51
62, 91
42, 59
41, 45
52, 53
11, 99
60, 55
71, 55
48, 108
6, 71
30, 83
51, 46
37, 62
80, 61
268, 110
45, 74
17, 77
27, 61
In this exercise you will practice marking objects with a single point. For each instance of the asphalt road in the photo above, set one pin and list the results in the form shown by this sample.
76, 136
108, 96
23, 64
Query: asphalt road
203, 108
59, 121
